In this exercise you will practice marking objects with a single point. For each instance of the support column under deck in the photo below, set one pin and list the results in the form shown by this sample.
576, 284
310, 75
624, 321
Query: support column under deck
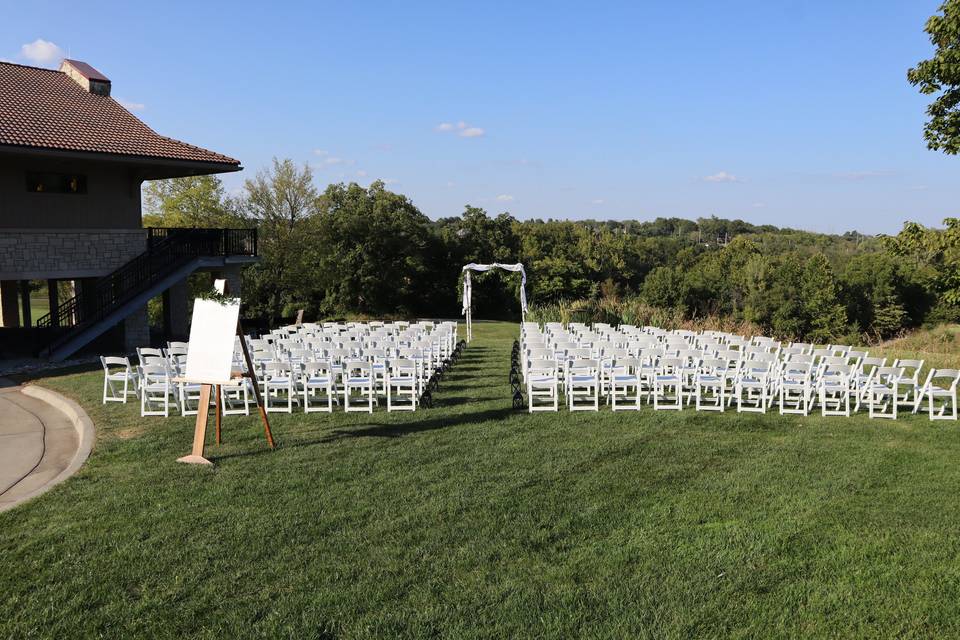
9, 304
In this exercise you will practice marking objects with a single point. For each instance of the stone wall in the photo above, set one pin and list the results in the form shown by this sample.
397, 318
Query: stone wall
30, 254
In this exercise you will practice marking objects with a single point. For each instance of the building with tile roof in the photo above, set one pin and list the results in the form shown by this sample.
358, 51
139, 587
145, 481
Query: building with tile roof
72, 162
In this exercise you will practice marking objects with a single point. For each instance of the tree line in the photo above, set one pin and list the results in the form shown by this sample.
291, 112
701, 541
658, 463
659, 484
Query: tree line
350, 251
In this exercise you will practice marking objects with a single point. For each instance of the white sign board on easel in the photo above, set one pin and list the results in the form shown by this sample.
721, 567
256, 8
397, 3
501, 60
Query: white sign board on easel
213, 334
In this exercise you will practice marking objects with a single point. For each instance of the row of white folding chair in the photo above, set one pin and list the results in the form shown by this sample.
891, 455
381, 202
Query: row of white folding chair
286, 384
712, 383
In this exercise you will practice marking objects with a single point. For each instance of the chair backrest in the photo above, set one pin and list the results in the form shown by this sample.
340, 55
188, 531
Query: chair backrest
837, 372
801, 367
670, 364
854, 357
867, 365
357, 367
312, 368
713, 366
114, 361
886, 375
145, 352
583, 366
276, 369
951, 375
833, 361
402, 367
542, 367
625, 365
911, 368
152, 373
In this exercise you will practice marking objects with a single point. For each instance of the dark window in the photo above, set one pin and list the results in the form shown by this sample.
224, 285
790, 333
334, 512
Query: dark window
56, 183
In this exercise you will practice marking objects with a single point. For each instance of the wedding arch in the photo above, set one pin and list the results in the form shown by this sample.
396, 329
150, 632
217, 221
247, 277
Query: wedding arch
467, 289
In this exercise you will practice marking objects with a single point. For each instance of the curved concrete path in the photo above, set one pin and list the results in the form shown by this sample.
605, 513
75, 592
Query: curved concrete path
42, 442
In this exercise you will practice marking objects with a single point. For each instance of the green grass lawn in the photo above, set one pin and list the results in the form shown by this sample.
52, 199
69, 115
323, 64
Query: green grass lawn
470, 520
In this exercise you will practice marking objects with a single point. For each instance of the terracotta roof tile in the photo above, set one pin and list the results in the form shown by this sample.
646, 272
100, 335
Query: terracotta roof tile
46, 109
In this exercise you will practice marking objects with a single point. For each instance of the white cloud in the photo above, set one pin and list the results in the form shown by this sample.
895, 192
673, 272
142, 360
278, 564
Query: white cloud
919, 187
462, 129
42, 52
130, 105
361, 173
722, 176
599, 201
759, 205
328, 160
505, 197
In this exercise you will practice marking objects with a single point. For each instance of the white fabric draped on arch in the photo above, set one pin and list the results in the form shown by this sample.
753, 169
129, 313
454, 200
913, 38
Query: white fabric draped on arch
468, 289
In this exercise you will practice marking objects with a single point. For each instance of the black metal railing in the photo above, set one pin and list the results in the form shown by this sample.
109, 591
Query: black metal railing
167, 249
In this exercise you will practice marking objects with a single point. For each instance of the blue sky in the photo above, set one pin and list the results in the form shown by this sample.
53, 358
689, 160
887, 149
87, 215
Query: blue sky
790, 112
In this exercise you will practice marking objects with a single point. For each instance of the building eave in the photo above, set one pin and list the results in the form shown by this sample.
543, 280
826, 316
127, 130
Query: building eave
147, 167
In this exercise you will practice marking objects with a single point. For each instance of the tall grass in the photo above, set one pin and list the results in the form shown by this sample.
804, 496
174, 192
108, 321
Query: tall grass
633, 311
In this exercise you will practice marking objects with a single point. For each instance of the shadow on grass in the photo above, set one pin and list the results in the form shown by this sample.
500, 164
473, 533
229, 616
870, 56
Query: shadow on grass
379, 430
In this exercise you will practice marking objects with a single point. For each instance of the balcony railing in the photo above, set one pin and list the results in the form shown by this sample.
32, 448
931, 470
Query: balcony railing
167, 249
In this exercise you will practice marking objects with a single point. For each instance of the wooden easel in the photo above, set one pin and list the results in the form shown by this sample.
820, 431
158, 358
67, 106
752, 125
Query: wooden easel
206, 388
212, 386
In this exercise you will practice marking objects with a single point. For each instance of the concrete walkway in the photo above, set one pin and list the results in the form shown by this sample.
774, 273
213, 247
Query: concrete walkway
38, 444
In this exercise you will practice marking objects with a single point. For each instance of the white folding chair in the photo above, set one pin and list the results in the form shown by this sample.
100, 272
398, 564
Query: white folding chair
795, 386
908, 385
317, 384
155, 390
279, 386
583, 383
401, 381
358, 378
883, 392
668, 384
753, 388
116, 372
235, 397
710, 385
945, 392
624, 375
542, 385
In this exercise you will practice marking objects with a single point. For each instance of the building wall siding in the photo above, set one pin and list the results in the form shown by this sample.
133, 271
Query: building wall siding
112, 200
31, 254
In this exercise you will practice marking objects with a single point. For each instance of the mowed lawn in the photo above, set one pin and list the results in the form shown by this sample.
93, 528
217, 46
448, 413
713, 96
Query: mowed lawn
470, 520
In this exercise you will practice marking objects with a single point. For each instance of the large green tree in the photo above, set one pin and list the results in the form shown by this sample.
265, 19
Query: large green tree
283, 202
193, 201
940, 76
374, 253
